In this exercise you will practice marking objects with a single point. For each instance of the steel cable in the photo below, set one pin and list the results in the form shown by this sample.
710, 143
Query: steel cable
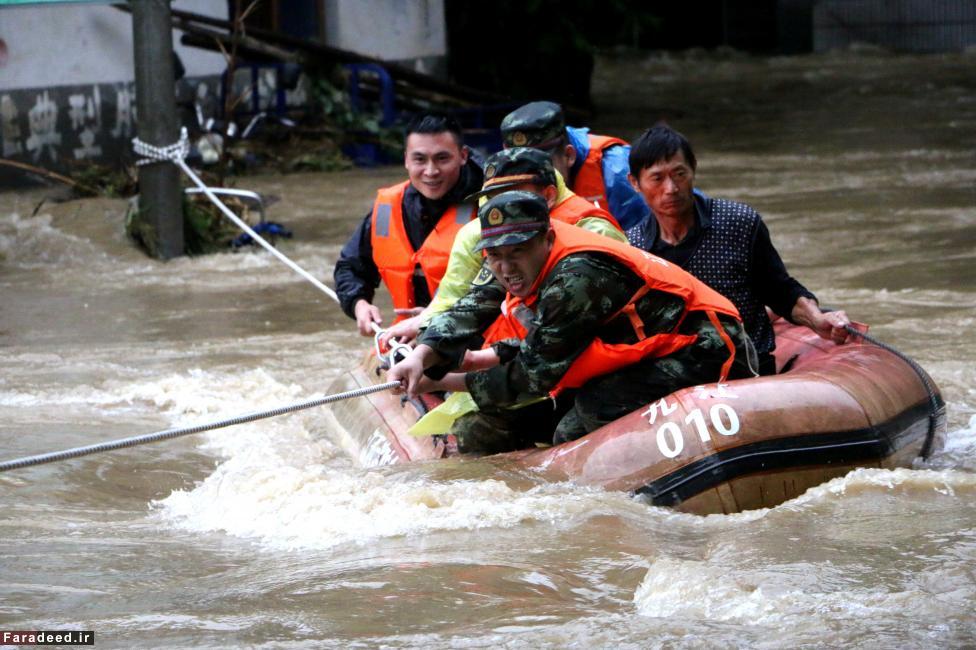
133, 441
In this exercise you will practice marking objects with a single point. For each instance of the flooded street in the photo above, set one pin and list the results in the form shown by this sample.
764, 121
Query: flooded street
270, 535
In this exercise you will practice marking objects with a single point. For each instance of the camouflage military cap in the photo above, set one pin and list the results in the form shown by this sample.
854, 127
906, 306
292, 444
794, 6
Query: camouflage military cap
512, 218
513, 167
539, 125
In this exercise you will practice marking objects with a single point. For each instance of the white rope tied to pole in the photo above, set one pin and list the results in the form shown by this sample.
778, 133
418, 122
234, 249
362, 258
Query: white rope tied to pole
168, 153
75, 452
175, 153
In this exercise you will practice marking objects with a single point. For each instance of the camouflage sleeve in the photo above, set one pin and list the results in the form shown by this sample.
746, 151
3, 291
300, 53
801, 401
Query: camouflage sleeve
575, 303
579, 294
451, 333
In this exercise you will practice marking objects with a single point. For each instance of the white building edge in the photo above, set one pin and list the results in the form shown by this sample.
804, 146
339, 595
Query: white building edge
67, 90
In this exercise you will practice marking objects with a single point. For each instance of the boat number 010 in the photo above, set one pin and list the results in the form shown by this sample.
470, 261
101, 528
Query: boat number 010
724, 420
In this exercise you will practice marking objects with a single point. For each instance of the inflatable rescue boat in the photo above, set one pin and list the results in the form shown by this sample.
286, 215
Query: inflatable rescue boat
717, 448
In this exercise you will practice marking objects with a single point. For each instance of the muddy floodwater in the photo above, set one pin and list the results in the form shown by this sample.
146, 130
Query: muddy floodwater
269, 534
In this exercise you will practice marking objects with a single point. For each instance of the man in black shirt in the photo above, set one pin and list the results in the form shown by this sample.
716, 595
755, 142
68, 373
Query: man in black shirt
723, 243
412, 223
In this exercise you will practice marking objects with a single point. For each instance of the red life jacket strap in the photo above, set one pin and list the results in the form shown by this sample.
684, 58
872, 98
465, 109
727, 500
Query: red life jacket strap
630, 311
727, 366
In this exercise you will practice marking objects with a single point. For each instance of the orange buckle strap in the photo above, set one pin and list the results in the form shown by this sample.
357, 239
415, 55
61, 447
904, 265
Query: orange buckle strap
630, 311
727, 366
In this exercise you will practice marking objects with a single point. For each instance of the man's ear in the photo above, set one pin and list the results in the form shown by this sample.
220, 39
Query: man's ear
550, 194
633, 182
570, 156
464, 154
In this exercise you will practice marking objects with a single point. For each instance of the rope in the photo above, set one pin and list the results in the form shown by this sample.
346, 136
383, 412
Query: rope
936, 410
51, 457
175, 153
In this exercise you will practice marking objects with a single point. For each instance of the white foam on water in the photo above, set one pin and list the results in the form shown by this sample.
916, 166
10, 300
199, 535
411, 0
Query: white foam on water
185, 397
281, 483
289, 506
283, 486
200, 396
693, 590
230, 270
901, 480
32, 242
959, 451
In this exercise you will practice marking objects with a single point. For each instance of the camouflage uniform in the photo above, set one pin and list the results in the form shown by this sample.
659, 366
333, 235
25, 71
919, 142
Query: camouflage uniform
575, 301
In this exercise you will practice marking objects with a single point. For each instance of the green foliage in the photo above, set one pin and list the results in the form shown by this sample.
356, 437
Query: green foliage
319, 161
139, 229
205, 230
101, 180
351, 125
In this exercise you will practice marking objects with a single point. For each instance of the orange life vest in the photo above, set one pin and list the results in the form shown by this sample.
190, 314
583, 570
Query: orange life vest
575, 208
600, 358
588, 182
571, 211
395, 257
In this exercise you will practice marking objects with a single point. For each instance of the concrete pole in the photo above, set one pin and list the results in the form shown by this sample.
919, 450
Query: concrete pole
160, 194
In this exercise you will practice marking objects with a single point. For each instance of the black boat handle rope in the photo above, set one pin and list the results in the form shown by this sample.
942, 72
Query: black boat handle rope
936, 410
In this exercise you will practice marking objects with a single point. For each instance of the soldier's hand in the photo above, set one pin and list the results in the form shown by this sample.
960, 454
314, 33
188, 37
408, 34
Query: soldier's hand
366, 315
403, 332
410, 374
479, 360
410, 311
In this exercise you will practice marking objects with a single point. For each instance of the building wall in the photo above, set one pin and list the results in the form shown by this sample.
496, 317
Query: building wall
67, 89
404, 31
899, 25
59, 45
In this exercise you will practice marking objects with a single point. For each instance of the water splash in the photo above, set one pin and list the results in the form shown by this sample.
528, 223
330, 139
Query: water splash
32, 242
319, 507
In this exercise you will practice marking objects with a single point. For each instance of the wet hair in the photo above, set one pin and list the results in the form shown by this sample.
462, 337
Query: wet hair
658, 143
434, 123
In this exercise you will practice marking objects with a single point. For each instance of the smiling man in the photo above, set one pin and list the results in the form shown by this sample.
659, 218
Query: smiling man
605, 329
519, 168
406, 238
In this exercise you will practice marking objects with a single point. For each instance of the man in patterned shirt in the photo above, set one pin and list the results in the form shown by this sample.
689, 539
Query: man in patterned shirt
723, 243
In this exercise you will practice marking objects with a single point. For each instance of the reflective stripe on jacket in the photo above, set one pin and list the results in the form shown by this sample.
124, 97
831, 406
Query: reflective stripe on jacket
395, 257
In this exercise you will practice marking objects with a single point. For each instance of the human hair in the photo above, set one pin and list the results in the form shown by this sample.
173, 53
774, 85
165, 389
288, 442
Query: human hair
658, 143
434, 123
558, 145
